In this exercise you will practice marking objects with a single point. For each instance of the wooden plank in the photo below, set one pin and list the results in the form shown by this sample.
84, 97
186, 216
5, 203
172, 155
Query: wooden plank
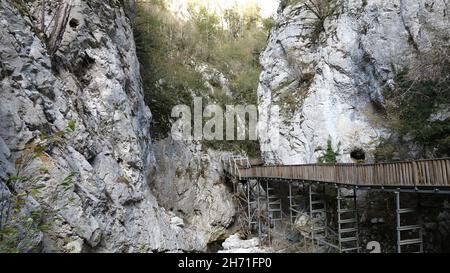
396, 174
380, 174
439, 176
420, 173
410, 174
431, 172
444, 172
447, 172
439, 173
430, 167
403, 167
419, 178
417, 173
388, 174
447, 168
405, 174
424, 173
428, 170
435, 173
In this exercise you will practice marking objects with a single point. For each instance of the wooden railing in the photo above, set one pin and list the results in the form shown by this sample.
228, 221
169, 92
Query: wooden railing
420, 173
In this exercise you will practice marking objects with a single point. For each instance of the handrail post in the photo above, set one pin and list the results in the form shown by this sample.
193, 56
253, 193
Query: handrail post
397, 205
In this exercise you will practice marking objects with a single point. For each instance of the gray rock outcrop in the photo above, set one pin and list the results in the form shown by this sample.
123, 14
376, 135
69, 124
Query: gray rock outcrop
189, 182
328, 75
91, 84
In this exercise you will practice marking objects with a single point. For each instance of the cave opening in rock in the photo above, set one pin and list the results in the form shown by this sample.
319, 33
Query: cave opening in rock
358, 154
73, 23
215, 246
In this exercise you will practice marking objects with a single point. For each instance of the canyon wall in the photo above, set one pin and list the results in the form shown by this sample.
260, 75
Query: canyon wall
72, 102
328, 67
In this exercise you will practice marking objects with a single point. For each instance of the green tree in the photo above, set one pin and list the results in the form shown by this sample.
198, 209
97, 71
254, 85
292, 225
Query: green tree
329, 155
206, 23
234, 22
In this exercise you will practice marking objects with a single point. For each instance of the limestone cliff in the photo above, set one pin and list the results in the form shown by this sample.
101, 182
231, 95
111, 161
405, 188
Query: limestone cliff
328, 66
189, 182
73, 91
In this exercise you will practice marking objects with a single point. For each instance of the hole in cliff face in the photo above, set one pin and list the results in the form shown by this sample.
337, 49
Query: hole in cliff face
214, 247
91, 159
82, 64
358, 154
73, 23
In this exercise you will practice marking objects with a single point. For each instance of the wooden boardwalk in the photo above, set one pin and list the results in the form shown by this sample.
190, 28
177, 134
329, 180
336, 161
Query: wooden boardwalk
433, 173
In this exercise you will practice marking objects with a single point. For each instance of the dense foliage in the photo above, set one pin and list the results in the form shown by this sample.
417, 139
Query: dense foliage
171, 51
418, 109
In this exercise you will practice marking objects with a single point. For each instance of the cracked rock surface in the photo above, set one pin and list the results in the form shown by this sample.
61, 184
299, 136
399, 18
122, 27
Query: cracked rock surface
329, 82
92, 83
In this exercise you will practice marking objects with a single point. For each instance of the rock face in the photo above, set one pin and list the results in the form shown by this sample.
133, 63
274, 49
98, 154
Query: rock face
188, 182
329, 82
234, 244
91, 85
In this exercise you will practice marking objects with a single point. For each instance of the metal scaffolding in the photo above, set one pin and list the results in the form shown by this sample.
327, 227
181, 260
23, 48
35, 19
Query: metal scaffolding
274, 209
251, 206
347, 213
294, 208
260, 208
414, 242
318, 213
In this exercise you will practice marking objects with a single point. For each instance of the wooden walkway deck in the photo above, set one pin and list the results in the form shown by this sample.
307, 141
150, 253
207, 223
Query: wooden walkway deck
420, 173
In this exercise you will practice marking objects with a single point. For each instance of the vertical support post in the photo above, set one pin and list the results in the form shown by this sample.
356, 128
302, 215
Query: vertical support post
268, 210
397, 203
249, 209
258, 215
420, 222
281, 212
325, 216
311, 216
290, 204
338, 199
355, 207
